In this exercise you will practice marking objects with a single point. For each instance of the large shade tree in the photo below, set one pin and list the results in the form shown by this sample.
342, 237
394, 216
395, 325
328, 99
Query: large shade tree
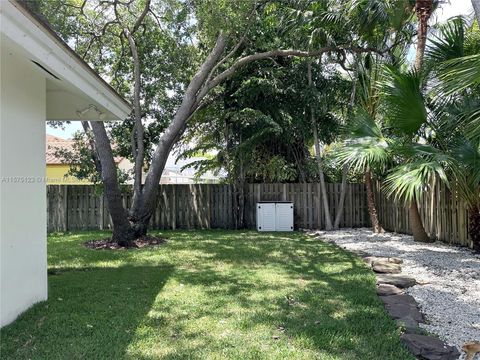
111, 34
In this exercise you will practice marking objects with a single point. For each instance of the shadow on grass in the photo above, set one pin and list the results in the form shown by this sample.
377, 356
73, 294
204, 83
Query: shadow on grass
90, 314
338, 318
276, 296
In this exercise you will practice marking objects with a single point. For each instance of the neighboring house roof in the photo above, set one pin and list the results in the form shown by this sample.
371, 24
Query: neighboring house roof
54, 143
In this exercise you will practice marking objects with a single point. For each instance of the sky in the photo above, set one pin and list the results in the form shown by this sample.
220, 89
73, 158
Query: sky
454, 8
448, 10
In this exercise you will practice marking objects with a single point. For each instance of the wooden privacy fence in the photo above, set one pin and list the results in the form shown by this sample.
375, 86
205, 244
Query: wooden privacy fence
80, 207
444, 214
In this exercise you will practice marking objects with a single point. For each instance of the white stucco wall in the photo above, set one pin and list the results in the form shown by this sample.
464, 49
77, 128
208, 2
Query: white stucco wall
23, 245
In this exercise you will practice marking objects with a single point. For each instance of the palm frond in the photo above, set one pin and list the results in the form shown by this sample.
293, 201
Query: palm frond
362, 125
408, 181
403, 101
425, 163
466, 170
448, 44
460, 74
366, 147
467, 158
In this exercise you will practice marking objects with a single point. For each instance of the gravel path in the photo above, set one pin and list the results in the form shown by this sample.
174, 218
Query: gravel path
450, 300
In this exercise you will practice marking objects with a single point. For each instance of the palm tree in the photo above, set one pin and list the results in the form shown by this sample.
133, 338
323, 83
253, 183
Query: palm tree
467, 175
423, 11
453, 118
441, 143
381, 24
365, 149
408, 181
405, 111
458, 73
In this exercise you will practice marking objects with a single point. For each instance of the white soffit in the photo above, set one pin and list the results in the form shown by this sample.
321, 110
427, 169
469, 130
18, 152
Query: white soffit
74, 86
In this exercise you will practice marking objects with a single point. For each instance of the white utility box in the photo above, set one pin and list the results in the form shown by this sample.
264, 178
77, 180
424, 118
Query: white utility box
275, 216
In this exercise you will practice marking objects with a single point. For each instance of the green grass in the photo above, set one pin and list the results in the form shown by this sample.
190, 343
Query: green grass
205, 295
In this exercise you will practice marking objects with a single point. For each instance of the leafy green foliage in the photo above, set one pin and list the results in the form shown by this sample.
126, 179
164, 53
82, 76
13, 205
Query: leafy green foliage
167, 55
425, 163
261, 126
417, 128
82, 165
407, 182
449, 43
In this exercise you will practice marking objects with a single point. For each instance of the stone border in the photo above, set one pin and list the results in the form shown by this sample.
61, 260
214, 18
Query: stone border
404, 309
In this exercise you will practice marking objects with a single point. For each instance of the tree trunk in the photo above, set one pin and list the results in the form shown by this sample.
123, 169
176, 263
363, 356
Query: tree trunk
323, 187
241, 194
318, 156
123, 233
474, 227
372, 210
433, 184
341, 201
476, 7
241, 206
423, 9
419, 233
343, 189
91, 142
137, 131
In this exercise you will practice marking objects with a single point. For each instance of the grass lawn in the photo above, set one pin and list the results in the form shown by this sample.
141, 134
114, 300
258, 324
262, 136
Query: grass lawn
205, 295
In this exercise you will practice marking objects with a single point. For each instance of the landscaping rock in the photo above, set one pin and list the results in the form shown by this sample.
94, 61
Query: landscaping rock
402, 307
371, 259
430, 348
400, 281
395, 260
386, 267
387, 289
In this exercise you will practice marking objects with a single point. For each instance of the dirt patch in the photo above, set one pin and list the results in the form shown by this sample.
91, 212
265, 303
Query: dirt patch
108, 244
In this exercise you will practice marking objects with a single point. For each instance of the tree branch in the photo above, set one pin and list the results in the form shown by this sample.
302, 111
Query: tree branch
141, 17
174, 130
138, 151
274, 53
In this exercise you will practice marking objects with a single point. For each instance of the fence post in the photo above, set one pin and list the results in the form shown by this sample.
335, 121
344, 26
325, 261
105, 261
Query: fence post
65, 226
101, 213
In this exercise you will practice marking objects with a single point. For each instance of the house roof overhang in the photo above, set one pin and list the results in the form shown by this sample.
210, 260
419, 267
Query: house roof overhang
73, 90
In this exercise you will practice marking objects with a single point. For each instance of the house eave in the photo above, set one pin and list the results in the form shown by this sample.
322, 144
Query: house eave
45, 47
